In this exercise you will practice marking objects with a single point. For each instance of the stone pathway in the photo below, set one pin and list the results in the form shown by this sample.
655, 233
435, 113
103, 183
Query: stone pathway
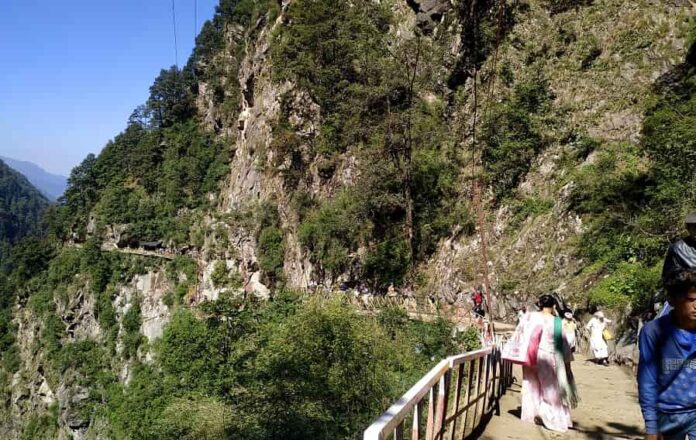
608, 410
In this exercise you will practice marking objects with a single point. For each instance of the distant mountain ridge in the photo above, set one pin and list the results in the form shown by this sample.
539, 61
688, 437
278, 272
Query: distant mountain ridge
51, 185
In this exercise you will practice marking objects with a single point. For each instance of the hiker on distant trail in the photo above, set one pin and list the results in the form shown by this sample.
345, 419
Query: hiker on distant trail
570, 328
598, 343
681, 255
548, 387
520, 313
667, 365
477, 298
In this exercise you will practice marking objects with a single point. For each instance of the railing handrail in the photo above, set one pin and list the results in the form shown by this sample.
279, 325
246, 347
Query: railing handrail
398, 411
468, 356
392, 419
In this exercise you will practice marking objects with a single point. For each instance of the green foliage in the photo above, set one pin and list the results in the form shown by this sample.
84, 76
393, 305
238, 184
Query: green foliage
197, 418
393, 319
41, 425
510, 136
326, 362
183, 272
246, 12
433, 340
284, 369
434, 183
17, 268
270, 242
630, 283
132, 339
559, 6
105, 312
372, 107
133, 412
190, 352
21, 206
329, 50
388, 263
469, 339
330, 232
271, 252
171, 98
144, 177
482, 25
222, 277
530, 207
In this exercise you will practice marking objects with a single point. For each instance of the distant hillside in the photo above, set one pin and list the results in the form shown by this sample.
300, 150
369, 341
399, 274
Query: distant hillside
21, 205
51, 185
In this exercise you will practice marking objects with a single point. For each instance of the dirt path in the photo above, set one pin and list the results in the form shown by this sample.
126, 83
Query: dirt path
608, 410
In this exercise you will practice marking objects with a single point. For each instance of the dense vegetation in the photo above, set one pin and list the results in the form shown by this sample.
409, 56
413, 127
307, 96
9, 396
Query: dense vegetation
153, 173
372, 99
511, 136
21, 206
283, 369
287, 368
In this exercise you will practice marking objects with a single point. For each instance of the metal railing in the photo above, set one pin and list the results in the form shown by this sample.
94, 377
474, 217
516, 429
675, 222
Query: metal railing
458, 394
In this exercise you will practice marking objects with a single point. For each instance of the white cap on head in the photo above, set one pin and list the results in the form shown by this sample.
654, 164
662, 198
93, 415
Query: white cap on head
599, 314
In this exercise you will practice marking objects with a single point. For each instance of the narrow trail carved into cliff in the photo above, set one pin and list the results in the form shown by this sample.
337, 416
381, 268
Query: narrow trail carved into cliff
608, 410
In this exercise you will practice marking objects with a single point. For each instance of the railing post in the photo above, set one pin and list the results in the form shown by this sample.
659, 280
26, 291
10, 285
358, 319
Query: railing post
415, 428
479, 369
486, 386
431, 416
469, 388
442, 401
457, 398
399, 432
496, 375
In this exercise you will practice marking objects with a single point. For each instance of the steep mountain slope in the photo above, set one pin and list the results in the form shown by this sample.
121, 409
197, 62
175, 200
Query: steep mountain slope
586, 201
51, 185
21, 205
326, 142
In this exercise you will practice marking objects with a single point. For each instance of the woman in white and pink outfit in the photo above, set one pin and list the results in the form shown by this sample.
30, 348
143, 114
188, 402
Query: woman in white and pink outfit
548, 389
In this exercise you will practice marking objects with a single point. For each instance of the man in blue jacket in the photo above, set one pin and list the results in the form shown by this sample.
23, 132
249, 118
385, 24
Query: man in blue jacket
667, 367
681, 255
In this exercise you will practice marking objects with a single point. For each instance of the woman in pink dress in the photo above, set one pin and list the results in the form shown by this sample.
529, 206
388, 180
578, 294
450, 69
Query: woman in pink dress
548, 388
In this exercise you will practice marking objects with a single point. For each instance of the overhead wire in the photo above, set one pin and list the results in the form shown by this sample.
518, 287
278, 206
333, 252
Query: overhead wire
176, 48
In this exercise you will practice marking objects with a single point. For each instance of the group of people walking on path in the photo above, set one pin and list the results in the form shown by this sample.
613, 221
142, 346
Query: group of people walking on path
544, 343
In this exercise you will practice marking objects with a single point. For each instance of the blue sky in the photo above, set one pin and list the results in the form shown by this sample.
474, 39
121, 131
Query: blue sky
72, 71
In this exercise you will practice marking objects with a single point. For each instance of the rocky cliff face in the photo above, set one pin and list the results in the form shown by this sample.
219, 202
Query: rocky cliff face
600, 71
36, 388
600, 61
